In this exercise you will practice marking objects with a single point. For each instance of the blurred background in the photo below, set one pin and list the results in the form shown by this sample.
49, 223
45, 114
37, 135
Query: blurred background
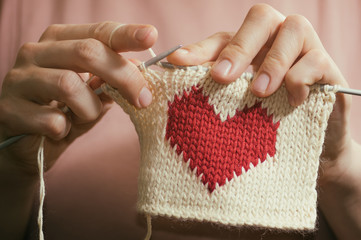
91, 191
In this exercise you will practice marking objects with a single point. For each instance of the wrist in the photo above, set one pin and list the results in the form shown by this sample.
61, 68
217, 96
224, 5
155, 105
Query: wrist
17, 194
339, 193
344, 170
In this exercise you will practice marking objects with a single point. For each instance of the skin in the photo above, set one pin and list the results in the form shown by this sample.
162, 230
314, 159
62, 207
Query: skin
55, 64
281, 49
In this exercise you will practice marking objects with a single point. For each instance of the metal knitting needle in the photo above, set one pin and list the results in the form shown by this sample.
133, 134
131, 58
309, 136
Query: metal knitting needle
97, 91
339, 89
160, 56
349, 91
191, 67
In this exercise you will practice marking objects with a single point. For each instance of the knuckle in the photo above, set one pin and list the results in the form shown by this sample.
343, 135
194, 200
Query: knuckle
69, 83
88, 50
297, 23
221, 38
293, 80
321, 58
275, 60
92, 116
262, 10
98, 29
236, 48
55, 126
51, 32
199, 49
224, 36
11, 79
26, 52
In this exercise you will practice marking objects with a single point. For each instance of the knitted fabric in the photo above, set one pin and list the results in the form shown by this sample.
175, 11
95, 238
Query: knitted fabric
216, 153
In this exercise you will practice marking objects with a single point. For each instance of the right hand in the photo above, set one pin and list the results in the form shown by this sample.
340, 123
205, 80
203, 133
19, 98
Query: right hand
283, 49
48, 75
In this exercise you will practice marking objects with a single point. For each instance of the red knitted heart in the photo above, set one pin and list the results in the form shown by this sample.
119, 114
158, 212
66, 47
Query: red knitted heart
219, 149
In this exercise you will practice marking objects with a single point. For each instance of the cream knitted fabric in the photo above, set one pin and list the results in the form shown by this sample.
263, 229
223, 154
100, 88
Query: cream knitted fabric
216, 153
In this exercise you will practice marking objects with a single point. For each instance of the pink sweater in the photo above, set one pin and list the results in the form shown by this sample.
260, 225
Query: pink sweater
91, 191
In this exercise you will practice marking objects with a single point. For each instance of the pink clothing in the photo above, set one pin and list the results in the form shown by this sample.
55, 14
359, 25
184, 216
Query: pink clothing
91, 191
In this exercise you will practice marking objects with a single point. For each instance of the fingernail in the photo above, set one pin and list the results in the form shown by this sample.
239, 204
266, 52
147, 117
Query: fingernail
182, 51
142, 33
145, 97
222, 68
260, 84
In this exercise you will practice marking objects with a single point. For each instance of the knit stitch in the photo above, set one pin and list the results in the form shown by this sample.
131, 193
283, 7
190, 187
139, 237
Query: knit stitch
219, 149
217, 153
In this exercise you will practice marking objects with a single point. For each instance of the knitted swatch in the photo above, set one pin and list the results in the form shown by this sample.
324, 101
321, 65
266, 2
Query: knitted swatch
216, 153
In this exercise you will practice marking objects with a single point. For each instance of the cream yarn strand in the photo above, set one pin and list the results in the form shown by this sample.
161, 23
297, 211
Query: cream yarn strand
152, 53
149, 227
42, 187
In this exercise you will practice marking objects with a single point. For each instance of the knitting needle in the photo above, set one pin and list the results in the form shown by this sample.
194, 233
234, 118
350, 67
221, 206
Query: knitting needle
97, 91
329, 88
160, 56
191, 67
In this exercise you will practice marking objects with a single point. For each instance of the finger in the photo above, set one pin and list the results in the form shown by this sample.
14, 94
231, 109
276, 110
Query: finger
201, 52
96, 83
295, 37
259, 58
259, 28
127, 37
314, 66
24, 117
90, 55
61, 85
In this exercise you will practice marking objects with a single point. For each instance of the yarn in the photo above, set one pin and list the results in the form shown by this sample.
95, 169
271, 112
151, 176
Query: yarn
217, 153
112, 33
199, 134
329, 88
149, 227
42, 186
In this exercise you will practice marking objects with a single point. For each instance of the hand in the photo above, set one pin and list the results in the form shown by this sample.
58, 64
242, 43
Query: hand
280, 49
287, 49
50, 74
